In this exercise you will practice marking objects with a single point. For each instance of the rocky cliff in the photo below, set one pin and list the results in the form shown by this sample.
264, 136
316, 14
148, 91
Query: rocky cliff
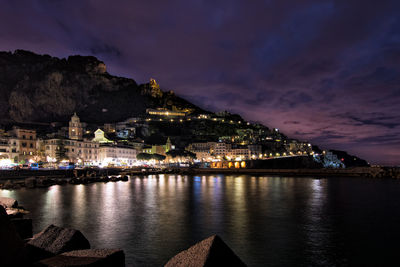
41, 88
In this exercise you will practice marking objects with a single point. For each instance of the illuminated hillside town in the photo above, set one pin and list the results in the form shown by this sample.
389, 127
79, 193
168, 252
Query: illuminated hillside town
149, 140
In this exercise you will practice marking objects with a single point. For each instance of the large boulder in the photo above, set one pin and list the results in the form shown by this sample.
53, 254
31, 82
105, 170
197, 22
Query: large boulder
11, 245
87, 257
8, 202
55, 240
211, 251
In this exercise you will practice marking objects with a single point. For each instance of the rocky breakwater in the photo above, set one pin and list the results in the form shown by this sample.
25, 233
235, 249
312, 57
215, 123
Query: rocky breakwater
383, 172
44, 181
54, 246
57, 246
16, 213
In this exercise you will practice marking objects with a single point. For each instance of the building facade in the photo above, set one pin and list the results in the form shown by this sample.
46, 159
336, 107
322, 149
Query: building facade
116, 156
75, 129
76, 151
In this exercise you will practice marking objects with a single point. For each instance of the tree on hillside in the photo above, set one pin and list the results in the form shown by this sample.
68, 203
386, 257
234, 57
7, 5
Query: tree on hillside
146, 156
158, 157
181, 153
143, 156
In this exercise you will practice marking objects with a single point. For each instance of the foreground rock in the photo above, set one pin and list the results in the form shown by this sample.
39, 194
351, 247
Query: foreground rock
11, 245
209, 252
55, 240
87, 257
8, 202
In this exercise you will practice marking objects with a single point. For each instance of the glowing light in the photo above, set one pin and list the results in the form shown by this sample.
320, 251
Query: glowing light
5, 163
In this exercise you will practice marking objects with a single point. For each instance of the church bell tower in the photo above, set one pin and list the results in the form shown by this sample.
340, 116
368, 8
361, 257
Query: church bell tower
75, 130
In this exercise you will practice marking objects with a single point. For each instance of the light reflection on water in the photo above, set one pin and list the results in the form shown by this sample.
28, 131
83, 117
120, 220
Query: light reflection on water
267, 221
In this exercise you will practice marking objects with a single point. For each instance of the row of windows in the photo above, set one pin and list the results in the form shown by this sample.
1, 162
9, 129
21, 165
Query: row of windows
53, 142
121, 151
25, 145
12, 150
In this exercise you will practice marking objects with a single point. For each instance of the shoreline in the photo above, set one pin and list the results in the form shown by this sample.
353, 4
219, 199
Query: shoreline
98, 175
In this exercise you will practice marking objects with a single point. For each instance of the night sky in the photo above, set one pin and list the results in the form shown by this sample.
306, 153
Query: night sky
322, 71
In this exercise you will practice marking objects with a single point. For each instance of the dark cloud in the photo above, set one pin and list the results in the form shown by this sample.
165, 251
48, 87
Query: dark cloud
388, 122
330, 66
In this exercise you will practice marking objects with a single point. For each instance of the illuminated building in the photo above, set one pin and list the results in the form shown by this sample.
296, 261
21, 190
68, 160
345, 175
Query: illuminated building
5, 158
203, 151
202, 155
331, 160
18, 145
205, 146
255, 150
84, 151
155, 149
99, 137
209, 150
159, 149
165, 112
221, 149
75, 129
116, 156
239, 153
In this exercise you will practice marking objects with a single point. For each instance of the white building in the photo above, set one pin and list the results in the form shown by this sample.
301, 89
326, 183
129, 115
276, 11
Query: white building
116, 156
210, 150
85, 151
204, 151
221, 149
241, 153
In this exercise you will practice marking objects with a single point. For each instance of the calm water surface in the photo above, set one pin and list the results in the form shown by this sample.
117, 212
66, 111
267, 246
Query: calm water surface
267, 221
